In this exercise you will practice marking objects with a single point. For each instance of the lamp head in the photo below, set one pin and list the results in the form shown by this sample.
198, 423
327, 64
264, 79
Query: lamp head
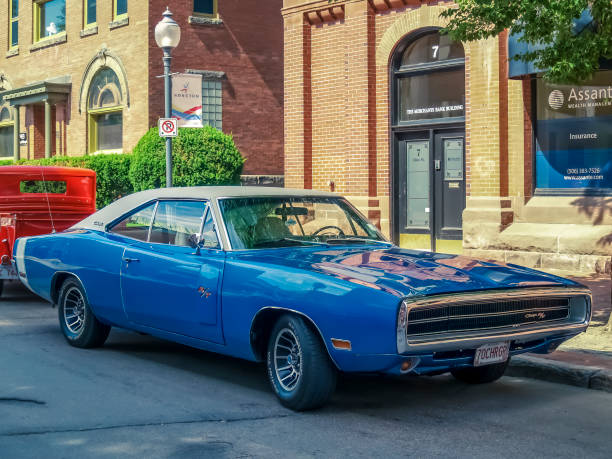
167, 31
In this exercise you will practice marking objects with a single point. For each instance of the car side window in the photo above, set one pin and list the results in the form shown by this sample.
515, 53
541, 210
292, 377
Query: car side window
177, 222
209, 235
136, 225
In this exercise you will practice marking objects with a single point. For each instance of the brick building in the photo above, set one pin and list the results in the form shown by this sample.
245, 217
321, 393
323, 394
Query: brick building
80, 76
437, 142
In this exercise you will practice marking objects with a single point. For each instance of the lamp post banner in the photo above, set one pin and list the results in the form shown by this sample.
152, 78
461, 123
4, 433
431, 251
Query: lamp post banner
187, 99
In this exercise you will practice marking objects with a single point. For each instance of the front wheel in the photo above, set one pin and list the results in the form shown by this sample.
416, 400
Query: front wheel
78, 323
481, 375
300, 371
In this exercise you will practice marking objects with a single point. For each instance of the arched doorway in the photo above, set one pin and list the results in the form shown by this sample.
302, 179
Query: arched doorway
428, 132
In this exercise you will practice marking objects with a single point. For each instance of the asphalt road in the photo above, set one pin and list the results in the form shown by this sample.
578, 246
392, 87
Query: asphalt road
142, 397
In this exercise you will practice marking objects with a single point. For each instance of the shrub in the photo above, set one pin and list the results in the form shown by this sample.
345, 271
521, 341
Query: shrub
202, 156
112, 172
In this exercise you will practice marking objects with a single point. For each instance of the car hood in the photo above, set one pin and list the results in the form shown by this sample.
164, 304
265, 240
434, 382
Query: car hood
404, 272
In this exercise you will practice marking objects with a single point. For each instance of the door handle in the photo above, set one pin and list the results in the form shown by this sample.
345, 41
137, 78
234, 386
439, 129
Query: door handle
131, 260
437, 164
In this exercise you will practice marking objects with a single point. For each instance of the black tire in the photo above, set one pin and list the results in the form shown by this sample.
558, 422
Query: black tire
1, 287
81, 329
316, 374
481, 375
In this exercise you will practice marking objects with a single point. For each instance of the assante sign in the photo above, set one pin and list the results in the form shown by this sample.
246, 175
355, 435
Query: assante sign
590, 94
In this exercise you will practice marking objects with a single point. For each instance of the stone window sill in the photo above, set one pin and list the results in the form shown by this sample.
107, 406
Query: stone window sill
89, 31
12, 52
207, 74
52, 41
119, 23
205, 21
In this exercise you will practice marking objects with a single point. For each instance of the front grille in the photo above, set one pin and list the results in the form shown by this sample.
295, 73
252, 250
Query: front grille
481, 315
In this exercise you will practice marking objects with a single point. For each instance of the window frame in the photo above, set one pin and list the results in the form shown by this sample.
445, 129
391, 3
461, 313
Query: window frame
397, 72
89, 25
37, 6
204, 123
92, 124
10, 123
94, 113
118, 17
13, 20
214, 14
209, 210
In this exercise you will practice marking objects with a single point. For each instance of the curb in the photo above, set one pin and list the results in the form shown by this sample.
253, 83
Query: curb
560, 372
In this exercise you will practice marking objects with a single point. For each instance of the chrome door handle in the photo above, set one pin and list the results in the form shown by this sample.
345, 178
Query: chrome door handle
131, 260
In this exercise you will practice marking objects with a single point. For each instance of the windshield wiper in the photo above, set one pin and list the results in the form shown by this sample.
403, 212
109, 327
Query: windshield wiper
355, 240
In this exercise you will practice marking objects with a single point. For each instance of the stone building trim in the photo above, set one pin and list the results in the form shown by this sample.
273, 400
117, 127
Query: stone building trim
118, 23
208, 74
12, 52
104, 58
88, 32
205, 21
48, 42
408, 22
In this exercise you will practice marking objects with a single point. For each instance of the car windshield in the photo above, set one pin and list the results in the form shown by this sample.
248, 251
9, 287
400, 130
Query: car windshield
264, 222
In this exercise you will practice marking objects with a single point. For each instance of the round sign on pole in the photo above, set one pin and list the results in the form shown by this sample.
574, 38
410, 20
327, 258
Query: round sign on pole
168, 127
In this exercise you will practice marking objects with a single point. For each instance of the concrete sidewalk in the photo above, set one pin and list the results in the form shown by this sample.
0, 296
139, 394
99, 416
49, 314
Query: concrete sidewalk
584, 361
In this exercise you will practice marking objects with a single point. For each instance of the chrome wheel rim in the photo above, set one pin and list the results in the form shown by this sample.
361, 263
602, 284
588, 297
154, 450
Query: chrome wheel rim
287, 359
74, 310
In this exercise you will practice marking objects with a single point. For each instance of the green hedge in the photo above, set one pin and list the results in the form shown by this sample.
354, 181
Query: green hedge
112, 172
203, 156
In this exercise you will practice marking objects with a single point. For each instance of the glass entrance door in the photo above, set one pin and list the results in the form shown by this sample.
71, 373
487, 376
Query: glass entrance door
430, 190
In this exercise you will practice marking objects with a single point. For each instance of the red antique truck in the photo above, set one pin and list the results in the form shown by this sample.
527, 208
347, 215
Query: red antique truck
40, 200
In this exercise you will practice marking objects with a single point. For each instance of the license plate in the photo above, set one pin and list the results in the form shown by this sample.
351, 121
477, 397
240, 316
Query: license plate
491, 353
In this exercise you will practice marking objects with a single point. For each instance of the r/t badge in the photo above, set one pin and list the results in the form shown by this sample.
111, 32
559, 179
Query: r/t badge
204, 292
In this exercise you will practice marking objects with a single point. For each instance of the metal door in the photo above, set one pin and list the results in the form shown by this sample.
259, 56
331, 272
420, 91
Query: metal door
430, 189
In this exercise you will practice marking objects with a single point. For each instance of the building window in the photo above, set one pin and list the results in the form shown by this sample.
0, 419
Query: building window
90, 13
212, 113
573, 148
105, 112
120, 9
7, 127
205, 7
429, 79
49, 18
14, 26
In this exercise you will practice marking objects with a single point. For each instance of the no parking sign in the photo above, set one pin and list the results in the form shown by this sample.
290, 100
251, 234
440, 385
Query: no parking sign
168, 127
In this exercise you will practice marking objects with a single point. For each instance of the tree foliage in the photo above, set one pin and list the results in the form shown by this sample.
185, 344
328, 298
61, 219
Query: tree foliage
570, 52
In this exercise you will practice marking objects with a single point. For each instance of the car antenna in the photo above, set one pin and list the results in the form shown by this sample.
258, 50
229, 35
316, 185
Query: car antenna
42, 172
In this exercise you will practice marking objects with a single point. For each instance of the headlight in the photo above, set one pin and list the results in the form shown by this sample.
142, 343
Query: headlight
402, 322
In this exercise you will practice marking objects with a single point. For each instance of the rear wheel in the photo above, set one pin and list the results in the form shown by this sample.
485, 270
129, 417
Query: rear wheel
1, 287
300, 371
78, 323
481, 375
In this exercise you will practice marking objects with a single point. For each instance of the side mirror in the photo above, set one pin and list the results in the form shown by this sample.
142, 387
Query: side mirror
195, 242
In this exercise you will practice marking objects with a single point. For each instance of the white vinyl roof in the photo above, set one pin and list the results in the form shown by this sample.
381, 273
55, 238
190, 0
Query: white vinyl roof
110, 213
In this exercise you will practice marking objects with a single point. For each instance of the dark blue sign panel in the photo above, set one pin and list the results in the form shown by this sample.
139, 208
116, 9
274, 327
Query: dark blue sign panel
574, 135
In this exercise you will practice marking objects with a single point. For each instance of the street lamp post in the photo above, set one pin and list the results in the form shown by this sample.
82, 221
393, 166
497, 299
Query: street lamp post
168, 36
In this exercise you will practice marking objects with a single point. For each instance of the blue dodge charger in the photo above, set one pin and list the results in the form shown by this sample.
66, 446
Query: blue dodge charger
298, 279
